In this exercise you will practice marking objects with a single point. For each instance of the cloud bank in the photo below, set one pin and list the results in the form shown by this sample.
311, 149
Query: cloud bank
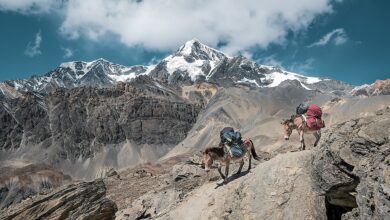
165, 24
34, 48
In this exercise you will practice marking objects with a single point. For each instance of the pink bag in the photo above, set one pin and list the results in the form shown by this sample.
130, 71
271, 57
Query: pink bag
314, 111
315, 123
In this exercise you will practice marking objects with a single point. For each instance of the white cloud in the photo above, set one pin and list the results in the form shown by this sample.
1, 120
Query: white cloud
302, 67
68, 53
270, 61
30, 6
337, 36
165, 24
34, 48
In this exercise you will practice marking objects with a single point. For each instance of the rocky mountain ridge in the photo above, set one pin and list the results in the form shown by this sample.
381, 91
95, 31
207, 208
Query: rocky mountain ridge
379, 87
193, 62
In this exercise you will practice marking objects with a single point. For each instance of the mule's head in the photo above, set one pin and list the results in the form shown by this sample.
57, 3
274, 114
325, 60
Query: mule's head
207, 161
288, 126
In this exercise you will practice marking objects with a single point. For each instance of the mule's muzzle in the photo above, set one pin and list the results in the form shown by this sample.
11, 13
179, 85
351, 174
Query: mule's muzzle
207, 170
286, 138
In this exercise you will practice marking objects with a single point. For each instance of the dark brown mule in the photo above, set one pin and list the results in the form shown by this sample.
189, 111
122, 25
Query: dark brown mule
221, 154
297, 122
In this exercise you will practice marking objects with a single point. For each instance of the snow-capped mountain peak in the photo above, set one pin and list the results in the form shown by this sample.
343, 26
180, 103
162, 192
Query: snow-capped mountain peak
198, 50
195, 61
99, 72
191, 61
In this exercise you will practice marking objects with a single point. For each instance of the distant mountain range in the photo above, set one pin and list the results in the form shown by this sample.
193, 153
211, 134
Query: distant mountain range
193, 62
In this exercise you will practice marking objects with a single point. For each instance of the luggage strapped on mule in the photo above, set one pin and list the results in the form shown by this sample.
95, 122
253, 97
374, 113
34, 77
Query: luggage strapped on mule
313, 117
232, 140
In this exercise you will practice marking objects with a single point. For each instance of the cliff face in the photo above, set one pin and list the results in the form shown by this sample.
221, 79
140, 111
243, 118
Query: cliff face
78, 123
352, 167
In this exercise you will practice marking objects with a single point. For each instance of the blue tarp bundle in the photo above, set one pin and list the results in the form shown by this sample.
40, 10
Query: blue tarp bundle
237, 150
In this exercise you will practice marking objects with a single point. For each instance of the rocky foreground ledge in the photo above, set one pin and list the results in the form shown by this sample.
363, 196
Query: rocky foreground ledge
84, 200
346, 177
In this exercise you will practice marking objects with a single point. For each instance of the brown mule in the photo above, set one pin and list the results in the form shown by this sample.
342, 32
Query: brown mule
297, 122
221, 154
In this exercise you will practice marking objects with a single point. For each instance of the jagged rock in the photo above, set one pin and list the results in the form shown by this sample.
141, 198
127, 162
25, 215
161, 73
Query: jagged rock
380, 87
141, 173
19, 182
84, 200
112, 172
352, 167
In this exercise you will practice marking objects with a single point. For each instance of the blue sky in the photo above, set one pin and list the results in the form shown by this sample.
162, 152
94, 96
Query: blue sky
344, 40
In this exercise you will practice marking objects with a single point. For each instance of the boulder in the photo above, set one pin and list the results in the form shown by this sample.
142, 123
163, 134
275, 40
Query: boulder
85, 200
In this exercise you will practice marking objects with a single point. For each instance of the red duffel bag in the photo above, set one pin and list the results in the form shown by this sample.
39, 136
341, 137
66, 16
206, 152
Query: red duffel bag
315, 123
314, 111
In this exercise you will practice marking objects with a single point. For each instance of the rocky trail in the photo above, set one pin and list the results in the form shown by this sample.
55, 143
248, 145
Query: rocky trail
346, 177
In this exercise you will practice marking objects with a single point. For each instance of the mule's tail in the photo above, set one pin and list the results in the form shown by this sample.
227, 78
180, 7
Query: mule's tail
253, 151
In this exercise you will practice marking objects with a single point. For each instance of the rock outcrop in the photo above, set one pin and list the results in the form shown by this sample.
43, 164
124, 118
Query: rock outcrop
21, 180
380, 87
352, 168
84, 200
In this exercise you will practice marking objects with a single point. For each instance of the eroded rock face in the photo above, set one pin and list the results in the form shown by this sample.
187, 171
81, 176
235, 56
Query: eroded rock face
81, 121
352, 167
84, 200
21, 181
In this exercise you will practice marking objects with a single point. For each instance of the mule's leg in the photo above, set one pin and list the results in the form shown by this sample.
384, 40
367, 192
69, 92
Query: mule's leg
241, 165
227, 170
301, 138
220, 171
250, 161
318, 136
